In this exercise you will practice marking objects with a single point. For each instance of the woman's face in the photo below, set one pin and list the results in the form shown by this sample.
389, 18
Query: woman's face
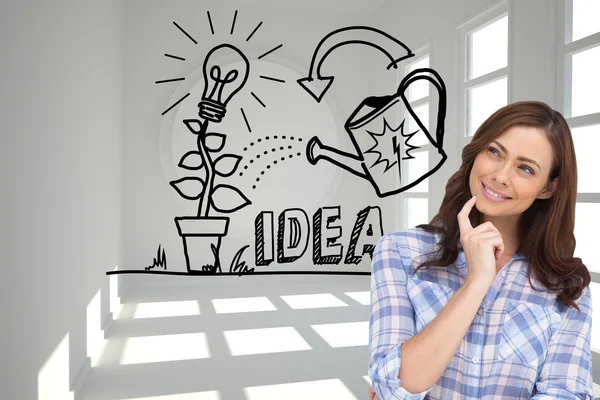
515, 166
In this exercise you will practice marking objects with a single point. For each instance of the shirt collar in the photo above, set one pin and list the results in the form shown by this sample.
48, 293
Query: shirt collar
461, 261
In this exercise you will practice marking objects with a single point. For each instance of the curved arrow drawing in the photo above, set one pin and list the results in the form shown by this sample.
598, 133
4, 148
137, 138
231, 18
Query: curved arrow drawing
393, 49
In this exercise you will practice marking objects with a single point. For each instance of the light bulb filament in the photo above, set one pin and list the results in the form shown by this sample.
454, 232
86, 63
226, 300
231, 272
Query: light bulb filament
215, 75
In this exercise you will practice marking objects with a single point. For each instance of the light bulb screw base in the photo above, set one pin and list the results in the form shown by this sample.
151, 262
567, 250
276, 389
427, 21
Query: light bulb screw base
211, 110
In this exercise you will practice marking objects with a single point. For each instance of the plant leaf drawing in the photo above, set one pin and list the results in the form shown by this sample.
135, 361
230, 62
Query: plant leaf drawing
189, 188
215, 141
228, 199
226, 164
193, 125
191, 160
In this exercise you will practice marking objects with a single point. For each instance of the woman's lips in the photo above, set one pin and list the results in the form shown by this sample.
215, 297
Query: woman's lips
490, 197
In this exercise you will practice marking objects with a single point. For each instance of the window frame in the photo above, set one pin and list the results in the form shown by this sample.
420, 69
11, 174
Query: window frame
565, 50
402, 210
464, 31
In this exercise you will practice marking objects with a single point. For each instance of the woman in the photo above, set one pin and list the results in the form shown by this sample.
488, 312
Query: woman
487, 301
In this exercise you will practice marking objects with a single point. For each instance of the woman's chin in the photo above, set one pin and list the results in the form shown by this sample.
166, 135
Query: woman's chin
489, 210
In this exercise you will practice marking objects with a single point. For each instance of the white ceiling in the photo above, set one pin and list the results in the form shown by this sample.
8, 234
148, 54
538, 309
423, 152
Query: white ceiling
325, 6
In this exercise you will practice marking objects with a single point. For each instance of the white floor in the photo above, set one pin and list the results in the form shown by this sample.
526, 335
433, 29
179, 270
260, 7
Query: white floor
229, 338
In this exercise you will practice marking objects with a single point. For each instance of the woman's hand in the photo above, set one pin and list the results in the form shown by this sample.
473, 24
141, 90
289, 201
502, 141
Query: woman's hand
372, 394
482, 245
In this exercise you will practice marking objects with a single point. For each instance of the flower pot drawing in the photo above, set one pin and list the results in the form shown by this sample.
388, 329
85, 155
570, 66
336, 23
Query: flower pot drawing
378, 130
201, 242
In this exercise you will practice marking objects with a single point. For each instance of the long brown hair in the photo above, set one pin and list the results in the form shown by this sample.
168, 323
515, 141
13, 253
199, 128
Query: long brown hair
546, 228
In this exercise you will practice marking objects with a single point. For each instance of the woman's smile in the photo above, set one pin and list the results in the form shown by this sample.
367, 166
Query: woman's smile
491, 195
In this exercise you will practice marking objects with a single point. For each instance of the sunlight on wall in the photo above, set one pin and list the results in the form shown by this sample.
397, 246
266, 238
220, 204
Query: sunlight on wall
213, 395
363, 298
345, 334
241, 305
115, 299
303, 301
163, 348
95, 335
53, 378
262, 341
167, 309
325, 389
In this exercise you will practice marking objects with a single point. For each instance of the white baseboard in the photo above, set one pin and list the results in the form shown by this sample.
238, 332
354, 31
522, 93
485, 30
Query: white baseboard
80, 379
84, 372
106, 324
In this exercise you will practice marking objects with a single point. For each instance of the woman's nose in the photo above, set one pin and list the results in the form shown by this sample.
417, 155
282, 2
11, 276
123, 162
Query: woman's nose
501, 175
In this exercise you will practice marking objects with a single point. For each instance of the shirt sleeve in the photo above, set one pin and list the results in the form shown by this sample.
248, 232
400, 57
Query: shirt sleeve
567, 371
391, 321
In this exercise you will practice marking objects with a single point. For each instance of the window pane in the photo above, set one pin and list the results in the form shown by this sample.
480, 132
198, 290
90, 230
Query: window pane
415, 168
418, 89
585, 82
585, 18
595, 289
423, 115
483, 101
587, 218
416, 212
488, 49
587, 142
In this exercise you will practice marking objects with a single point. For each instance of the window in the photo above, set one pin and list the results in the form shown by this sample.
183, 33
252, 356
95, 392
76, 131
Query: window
578, 88
414, 202
582, 19
578, 44
585, 81
485, 60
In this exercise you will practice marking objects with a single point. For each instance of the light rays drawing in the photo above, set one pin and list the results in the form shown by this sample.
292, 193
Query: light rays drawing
247, 118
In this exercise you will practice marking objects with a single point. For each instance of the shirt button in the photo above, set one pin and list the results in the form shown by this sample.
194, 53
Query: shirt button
475, 360
480, 312
504, 273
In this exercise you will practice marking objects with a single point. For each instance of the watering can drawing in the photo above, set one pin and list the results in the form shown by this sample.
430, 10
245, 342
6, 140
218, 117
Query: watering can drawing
378, 130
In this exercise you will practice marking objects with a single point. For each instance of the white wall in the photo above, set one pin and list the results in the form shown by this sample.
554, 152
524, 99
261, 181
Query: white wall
61, 162
152, 154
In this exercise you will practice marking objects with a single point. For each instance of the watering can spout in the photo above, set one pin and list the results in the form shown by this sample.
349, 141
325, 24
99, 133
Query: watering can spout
315, 151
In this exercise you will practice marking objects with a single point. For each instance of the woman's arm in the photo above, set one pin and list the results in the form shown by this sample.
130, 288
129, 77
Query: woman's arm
567, 371
427, 354
404, 365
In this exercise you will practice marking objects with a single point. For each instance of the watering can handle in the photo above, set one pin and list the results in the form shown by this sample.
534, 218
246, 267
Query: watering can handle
433, 77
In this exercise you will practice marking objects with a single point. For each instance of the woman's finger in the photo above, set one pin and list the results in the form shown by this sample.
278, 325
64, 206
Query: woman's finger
495, 242
485, 227
372, 394
485, 235
464, 223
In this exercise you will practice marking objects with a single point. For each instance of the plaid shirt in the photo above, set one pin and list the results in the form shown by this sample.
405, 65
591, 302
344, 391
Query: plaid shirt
521, 342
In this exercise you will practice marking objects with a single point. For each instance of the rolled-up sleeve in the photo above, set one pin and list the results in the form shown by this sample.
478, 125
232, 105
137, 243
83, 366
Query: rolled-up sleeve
391, 321
567, 371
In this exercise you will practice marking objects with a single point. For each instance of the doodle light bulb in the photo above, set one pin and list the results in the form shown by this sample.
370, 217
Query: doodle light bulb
221, 83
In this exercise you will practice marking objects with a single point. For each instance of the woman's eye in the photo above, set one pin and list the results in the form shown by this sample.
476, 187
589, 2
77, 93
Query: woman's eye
527, 169
493, 151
